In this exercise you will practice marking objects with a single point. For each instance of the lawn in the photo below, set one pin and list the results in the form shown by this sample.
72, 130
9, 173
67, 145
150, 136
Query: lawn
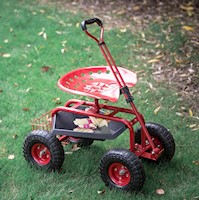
38, 44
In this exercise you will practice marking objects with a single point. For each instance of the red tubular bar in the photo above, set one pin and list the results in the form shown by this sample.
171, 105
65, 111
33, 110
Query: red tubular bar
107, 55
98, 115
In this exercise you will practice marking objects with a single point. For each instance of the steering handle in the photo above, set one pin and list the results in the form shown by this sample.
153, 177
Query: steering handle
91, 21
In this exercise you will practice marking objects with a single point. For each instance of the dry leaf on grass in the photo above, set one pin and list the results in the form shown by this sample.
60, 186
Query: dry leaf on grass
15, 136
190, 112
179, 114
6, 55
156, 110
188, 28
160, 191
101, 191
26, 109
75, 147
45, 68
56, 100
68, 152
11, 157
196, 162
153, 60
123, 30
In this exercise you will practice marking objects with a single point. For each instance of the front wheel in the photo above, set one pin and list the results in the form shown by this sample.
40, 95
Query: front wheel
121, 169
162, 139
43, 150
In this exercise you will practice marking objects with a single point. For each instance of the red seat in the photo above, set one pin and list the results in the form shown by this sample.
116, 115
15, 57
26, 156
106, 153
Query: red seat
97, 82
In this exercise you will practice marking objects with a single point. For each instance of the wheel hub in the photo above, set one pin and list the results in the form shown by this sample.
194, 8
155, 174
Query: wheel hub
41, 154
119, 174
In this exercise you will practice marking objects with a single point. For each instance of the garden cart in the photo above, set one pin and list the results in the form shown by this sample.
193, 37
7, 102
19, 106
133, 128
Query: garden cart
81, 122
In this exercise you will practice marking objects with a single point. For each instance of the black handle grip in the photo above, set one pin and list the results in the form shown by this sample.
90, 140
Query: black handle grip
90, 21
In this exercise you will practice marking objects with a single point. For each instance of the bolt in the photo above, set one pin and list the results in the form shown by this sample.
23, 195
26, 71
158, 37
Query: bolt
152, 152
115, 169
122, 172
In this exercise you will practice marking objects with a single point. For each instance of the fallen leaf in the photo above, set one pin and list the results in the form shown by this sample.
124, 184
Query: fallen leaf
188, 28
75, 147
77, 25
158, 56
59, 32
29, 65
68, 152
196, 162
45, 36
42, 11
135, 8
195, 129
50, 17
64, 50
56, 100
192, 125
1, 90
26, 109
187, 8
190, 112
143, 35
157, 45
41, 33
15, 136
28, 89
160, 191
11, 157
6, 55
179, 114
45, 68
101, 191
123, 30
180, 61
153, 60
156, 110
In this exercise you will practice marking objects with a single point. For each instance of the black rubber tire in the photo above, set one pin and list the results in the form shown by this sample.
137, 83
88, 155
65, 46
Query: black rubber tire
81, 142
130, 161
51, 143
85, 142
163, 135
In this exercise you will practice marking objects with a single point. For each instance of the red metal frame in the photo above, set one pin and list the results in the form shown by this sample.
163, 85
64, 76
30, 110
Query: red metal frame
139, 149
147, 149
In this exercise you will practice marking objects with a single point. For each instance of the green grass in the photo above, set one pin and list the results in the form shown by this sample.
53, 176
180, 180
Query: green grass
27, 92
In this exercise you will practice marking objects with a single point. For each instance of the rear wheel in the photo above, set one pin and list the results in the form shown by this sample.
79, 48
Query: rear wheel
162, 139
43, 150
121, 169
81, 142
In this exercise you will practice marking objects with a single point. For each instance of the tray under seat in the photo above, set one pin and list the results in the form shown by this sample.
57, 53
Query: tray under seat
63, 125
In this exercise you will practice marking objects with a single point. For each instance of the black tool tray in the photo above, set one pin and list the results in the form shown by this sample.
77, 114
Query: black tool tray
63, 125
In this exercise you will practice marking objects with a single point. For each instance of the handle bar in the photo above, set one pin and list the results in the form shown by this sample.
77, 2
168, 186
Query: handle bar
91, 21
